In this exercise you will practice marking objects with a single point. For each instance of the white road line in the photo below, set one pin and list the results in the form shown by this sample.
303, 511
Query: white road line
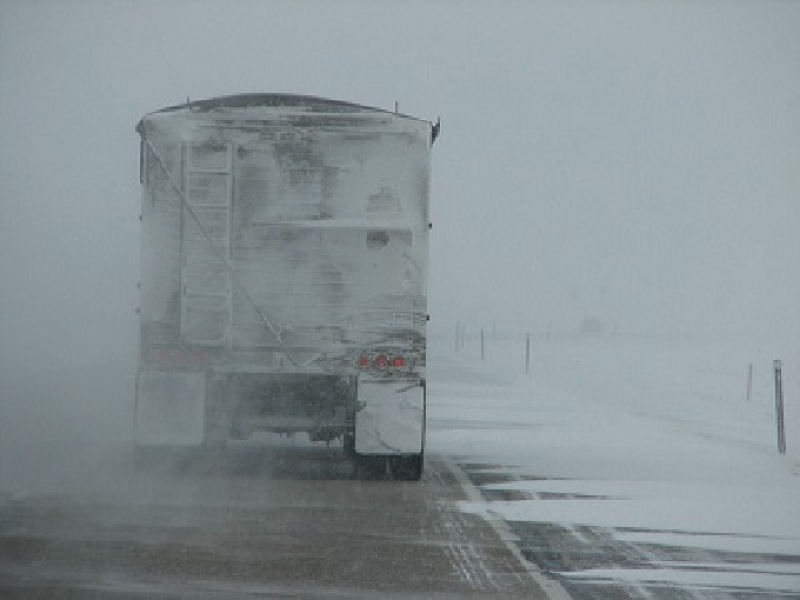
551, 587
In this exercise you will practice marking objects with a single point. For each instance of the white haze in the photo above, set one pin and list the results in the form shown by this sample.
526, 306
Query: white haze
633, 162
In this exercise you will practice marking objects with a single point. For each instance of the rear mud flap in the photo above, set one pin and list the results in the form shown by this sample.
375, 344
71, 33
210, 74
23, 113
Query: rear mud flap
170, 409
391, 419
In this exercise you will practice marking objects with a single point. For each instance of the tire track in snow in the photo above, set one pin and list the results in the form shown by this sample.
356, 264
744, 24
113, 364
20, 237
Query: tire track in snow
464, 557
552, 589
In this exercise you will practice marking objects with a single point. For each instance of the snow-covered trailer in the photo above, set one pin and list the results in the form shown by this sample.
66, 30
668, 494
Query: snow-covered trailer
283, 276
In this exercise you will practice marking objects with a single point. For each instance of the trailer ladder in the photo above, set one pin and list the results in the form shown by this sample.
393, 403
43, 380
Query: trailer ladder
206, 290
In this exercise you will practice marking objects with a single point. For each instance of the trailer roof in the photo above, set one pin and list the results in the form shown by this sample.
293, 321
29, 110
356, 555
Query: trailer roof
250, 106
311, 103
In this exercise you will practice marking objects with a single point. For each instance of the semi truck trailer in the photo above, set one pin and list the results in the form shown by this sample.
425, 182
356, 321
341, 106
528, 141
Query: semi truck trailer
283, 289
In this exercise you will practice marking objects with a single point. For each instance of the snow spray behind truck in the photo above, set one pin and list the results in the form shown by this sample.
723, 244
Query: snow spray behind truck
283, 276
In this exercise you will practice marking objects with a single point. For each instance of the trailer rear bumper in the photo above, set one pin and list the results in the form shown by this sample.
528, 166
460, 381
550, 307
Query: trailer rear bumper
386, 417
391, 419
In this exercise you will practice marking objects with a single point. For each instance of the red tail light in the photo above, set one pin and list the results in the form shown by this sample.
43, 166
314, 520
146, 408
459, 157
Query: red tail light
382, 362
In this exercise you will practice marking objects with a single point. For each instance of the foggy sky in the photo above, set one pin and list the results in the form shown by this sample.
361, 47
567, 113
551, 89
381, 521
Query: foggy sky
637, 162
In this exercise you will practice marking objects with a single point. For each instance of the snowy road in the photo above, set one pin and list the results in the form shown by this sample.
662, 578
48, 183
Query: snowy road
284, 523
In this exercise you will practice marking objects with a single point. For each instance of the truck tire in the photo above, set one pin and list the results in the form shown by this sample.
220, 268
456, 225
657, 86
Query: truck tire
369, 467
381, 467
408, 468
349, 445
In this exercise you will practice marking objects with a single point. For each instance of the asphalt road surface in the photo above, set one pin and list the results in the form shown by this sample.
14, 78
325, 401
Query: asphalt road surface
81, 521
260, 523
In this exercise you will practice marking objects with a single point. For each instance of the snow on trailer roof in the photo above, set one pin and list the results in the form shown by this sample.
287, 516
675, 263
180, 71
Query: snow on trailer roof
312, 103
250, 105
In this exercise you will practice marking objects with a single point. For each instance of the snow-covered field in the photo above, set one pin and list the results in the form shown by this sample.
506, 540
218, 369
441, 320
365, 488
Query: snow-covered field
651, 438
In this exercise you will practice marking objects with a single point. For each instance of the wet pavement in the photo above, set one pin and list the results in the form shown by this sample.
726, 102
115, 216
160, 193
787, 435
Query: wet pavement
297, 522
280, 523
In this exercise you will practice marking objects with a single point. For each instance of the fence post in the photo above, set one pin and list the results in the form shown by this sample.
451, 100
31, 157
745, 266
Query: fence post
527, 353
749, 381
778, 367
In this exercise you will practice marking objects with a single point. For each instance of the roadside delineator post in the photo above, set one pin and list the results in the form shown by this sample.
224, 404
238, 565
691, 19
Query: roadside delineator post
777, 365
527, 353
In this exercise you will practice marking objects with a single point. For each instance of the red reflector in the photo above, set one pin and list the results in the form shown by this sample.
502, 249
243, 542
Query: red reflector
381, 361
398, 362
363, 362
